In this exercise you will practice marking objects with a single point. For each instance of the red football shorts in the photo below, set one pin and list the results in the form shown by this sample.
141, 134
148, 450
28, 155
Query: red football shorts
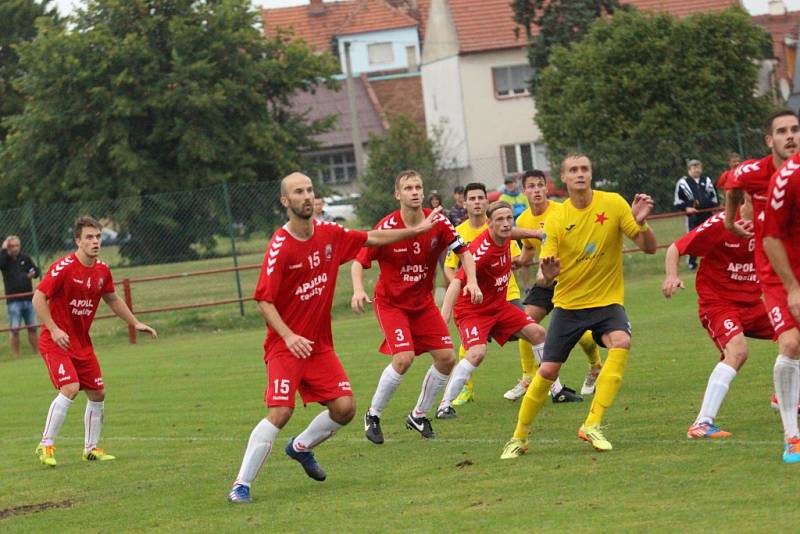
318, 378
500, 324
419, 331
70, 367
775, 302
723, 323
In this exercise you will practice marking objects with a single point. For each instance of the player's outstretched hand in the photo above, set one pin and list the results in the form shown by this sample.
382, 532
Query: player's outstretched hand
358, 301
793, 301
641, 207
743, 228
61, 338
429, 222
299, 346
476, 297
141, 327
550, 267
671, 286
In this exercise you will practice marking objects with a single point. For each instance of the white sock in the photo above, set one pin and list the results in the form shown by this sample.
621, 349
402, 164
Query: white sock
318, 430
718, 384
458, 378
55, 418
786, 376
258, 448
433, 383
556, 387
93, 422
387, 385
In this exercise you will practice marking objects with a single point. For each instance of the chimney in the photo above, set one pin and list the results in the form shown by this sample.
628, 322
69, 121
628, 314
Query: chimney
776, 7
316, 7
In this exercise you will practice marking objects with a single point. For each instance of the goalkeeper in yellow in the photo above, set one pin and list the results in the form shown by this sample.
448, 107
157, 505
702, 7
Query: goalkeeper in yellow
583, 248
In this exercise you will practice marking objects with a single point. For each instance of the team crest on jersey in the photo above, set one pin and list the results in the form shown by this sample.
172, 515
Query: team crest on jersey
434, 242
100, 281
328, 252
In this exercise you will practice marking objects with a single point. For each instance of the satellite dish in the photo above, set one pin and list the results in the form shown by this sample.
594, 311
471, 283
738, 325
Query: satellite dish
786, 91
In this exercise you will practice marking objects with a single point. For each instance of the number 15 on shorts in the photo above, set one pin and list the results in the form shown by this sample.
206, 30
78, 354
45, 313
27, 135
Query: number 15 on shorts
281, 386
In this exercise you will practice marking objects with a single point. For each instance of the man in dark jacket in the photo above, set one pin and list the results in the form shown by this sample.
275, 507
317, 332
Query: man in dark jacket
18, 270
694, 192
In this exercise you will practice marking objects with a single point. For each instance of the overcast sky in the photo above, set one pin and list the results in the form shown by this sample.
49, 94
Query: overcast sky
756, 7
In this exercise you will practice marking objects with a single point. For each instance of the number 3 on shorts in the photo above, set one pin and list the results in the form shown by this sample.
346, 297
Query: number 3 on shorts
398, 334
281, 386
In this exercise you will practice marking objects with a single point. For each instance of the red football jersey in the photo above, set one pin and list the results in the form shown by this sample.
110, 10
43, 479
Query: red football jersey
723, 179
727, 272
299, 278
73, 293
408, 268
492, 268
782, 214
753, 176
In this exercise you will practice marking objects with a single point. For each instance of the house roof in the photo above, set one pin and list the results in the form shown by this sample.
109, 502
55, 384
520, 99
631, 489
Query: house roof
336, 18
489, 24
327, 102
681, 8
779, 26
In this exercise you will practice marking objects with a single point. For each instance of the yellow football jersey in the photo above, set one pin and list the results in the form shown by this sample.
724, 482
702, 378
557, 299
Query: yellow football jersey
589, 244
536, 222
468, 233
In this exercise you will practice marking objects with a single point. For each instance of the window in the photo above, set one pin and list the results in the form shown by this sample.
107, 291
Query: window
380, 53
336, 167
511, 81
524, 157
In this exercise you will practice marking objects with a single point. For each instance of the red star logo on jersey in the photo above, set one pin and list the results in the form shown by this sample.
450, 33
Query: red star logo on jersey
601, 218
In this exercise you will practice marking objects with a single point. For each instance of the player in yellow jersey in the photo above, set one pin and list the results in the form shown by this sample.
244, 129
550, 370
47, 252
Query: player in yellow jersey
476, 202
583, 248
539, 300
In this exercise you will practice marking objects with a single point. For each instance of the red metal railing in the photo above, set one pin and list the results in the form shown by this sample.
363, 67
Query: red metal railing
127, 284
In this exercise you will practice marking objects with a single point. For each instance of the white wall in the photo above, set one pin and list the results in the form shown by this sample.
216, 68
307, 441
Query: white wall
444, 108
400, 39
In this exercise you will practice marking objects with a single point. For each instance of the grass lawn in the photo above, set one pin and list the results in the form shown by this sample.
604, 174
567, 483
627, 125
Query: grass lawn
180, 410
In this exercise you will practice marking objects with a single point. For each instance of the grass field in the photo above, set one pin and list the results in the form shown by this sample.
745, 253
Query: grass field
180, 410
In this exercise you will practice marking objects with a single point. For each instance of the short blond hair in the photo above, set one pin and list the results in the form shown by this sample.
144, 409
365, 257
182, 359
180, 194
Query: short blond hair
497, 205
405, 175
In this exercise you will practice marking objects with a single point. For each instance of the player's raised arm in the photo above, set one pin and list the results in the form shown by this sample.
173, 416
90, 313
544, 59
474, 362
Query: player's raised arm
671, 282
122, 311
518, 233
377, 238
360, 297
733, 199
640, 208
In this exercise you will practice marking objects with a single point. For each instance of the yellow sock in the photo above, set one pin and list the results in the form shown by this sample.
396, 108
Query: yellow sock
607, 385
532, 402
590, 348
526, 359
470, 383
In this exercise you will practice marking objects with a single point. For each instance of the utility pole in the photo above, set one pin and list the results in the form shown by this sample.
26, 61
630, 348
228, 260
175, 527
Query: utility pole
358, 147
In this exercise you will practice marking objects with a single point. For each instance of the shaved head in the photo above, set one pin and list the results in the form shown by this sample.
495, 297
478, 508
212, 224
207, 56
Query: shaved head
293, 180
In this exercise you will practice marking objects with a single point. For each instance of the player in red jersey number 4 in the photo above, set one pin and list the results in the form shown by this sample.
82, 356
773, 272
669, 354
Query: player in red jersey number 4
295, 294
66, 302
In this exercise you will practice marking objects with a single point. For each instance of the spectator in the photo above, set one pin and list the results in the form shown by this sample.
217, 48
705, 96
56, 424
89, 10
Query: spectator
319, 211
512, 194
434, 201
18, 270
695, 192
458, 213
733, 161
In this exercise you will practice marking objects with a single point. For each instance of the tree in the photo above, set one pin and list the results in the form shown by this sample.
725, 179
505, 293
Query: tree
558, 23
405, 145
152, 96
641, 93
17, 18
